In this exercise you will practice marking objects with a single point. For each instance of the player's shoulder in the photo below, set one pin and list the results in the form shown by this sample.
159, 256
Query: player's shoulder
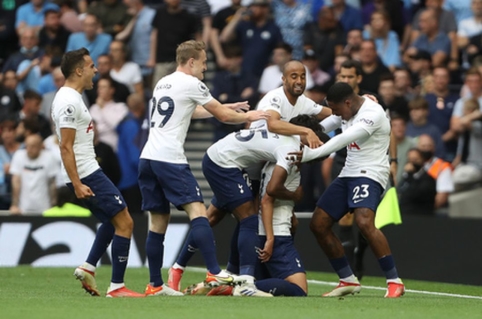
274, 98
66, 97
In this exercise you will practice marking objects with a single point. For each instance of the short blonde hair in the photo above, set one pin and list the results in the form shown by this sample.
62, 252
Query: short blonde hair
189, 49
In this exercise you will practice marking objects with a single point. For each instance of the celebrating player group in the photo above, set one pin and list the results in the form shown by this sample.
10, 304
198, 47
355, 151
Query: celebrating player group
253, 173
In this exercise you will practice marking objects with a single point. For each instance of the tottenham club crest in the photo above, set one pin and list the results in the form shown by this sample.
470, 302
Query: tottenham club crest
275, 101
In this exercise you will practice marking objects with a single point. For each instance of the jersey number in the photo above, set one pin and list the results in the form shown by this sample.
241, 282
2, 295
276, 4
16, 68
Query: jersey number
165, 107
360, 192
239, 137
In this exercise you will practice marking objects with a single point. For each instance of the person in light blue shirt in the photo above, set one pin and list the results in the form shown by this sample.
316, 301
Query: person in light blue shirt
96, 43
461, 9
386, 40
32, 14
138, 32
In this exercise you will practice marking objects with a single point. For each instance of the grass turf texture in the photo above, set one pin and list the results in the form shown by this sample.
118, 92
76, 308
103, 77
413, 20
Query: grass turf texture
27, 292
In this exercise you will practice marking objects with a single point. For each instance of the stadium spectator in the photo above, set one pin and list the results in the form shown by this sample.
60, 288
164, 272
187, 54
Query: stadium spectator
430, 39
28, 56
51, 144
91, 38
319, 77
33, 178
404, 143
9, 81
231, 85
8, 147
396, 105
386, 40
106, 158
220, 21
104, 66
325, 37
171, 25
372, 67
31, 109
420, 65
417, 189
471, 26
48, 63
126, 72
291, 17
403, 83
107, 114
438, 169
8, 34
468, 163
31, 14
48, 97
349, 17
397, 16
9, 103
354, 38
69, 18
256, 32
441, 105
201, 10
129, 150
137, 34
460, 8
53, 34
26, 127
473, 82
112, 15
419, 124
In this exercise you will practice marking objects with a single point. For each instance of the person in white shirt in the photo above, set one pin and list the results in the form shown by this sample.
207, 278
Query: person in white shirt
75, 130
123, 71
358, 188
273, 74
164, 173
33, 178
107, 114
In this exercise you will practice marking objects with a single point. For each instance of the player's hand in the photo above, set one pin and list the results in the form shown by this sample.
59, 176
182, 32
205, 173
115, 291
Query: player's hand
298, 194
393, 172
238, 106
83, 191
266, 253
371, 97
15, 210
257, 115
295, 157
313, 140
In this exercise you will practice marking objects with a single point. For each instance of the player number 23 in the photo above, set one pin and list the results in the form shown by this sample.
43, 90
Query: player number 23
361, 191
165, 107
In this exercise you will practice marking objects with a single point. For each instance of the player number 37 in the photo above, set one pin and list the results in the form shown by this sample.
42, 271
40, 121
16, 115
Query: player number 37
165, 107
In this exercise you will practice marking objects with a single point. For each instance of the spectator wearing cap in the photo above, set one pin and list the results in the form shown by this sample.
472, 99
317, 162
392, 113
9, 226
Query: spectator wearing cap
325, 37
291, 17
31, 14
319, 76
257, 34
419, 65
431, 39
419, 124
271, 77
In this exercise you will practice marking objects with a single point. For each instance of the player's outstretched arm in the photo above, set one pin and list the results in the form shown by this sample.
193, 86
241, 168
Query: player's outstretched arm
276, 125
229, 116
67, 137
201, 113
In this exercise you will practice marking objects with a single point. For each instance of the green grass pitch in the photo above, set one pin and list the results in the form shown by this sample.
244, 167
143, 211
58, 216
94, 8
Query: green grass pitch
52, 293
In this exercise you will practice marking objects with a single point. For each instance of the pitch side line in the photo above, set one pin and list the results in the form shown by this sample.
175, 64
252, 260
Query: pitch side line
328, 283
422, 292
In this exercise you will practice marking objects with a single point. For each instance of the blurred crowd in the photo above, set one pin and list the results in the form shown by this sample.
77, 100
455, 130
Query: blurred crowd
419, 58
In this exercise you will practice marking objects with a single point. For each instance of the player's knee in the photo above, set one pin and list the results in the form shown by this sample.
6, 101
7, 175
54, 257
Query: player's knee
316, 227
365, 224
124, 224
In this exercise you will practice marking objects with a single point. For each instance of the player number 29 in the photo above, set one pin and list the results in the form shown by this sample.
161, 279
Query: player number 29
360, 191
165, 107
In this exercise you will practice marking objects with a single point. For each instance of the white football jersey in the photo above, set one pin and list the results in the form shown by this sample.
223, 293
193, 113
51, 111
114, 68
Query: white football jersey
69, 111
369, 157
253, 146
282, 209
175, 98
277, 101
